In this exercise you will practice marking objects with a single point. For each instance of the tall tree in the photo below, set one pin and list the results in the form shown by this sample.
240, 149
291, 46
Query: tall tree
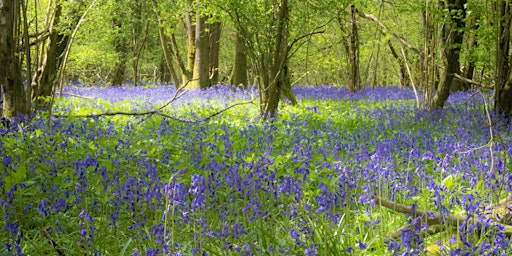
15, 100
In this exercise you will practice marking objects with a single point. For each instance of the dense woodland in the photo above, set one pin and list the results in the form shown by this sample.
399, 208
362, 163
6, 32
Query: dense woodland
434, 46
255, 127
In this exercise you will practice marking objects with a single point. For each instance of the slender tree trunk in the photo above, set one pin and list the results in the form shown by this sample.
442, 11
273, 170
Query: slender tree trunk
350, 41
166, 66
215, 33
138, 40
503, 85
10, 69
239, 76
469, 70
453, 34
201, 74
121, 48
51, 58
353, 54
404, 78
191, 46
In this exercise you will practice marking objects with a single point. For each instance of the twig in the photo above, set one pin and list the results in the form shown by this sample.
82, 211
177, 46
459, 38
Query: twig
56, 246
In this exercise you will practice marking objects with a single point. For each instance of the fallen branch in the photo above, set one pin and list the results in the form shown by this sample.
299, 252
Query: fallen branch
437, 218
429, 217
156, 112
56, 246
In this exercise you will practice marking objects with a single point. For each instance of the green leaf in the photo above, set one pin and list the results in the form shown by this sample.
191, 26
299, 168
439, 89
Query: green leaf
17, 176
125, 247
448, 181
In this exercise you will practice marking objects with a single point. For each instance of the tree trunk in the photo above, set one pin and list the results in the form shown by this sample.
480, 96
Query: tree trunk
120, 68
270, 91
404, 78
353, 54
139, 37
215, 33
201, 74
15, 103
50, 58
503, 85
121, 48
187, 73
166, 66
453, 34
240, 67
285, 86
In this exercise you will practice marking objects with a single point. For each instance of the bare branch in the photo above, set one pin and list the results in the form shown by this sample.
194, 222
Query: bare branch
56, 246
467, 80
177, 95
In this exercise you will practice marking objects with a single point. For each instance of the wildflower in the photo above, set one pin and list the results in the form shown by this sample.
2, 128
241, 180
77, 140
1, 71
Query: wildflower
362, 245
43, 207
310, 252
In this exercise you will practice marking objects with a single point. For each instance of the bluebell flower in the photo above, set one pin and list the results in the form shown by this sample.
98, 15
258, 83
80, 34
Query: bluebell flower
43, 207
310, 252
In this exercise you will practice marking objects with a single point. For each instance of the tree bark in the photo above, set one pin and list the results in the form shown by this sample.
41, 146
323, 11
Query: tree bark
453, 34
353, 54
121, 48
50, 57
215, 33
270, 91
166, 64
187, 73
240, 67
503, 85
404, 78
201, 74
15, 103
